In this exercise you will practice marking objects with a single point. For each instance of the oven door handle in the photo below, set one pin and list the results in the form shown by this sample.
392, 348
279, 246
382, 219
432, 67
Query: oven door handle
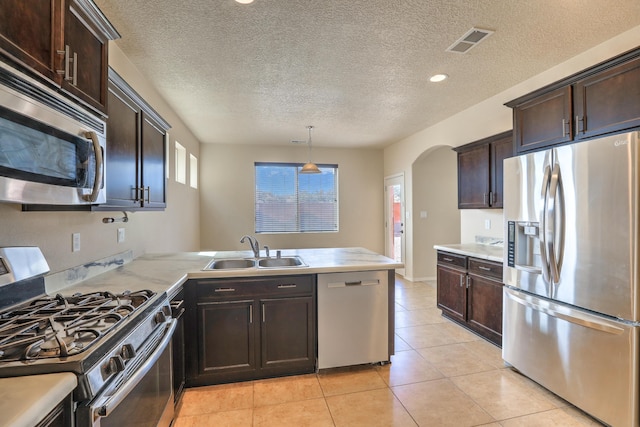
113, 402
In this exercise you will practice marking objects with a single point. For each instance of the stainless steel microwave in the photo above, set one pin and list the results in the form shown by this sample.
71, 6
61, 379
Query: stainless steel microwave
51, 150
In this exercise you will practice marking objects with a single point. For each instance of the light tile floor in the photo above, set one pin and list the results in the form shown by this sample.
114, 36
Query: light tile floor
441, 375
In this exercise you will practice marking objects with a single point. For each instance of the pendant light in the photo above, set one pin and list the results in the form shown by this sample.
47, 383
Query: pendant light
310, 167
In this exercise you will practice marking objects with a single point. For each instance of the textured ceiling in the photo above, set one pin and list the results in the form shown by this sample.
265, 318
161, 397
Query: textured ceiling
357, 70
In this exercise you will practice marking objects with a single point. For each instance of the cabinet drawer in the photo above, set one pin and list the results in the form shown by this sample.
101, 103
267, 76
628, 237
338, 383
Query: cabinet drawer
452, 260
288, 285
273, 286
485, 268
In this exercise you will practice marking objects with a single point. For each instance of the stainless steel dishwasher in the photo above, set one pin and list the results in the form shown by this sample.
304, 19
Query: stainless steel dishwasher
353, 323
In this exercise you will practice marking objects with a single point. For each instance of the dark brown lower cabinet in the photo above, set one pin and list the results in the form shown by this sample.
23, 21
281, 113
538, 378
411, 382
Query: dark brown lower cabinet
226, 338
452, 292
470, 293
484, 309
60, 416
287, 324
250, 328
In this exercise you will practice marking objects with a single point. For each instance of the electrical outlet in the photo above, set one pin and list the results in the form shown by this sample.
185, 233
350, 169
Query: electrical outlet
120, 235
423, 214
75, 242
487, 224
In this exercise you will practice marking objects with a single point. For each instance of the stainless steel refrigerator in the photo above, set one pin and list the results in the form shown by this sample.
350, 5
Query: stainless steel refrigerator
571, 317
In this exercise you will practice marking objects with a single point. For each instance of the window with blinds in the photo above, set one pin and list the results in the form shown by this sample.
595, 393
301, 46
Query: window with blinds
289, 202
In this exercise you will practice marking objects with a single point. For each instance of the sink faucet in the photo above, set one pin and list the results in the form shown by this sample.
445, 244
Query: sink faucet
253, 242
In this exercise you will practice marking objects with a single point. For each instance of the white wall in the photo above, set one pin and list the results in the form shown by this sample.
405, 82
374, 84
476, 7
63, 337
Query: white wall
175, 229
482, 120
227, 197
435, 191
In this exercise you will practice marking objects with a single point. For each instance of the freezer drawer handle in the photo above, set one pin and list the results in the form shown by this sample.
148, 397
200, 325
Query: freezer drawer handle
587, 323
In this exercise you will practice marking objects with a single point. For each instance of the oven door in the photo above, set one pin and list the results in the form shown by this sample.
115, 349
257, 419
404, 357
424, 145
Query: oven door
145, 400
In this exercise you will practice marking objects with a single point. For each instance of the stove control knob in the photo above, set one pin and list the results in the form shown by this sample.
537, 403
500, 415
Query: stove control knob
166, 309
127, 352
114, 365
160, 317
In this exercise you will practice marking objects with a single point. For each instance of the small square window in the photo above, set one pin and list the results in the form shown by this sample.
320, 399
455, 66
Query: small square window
193, 171
181, 164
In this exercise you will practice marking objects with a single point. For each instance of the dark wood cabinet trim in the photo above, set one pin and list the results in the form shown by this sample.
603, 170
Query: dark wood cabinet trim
573, 78
122, 84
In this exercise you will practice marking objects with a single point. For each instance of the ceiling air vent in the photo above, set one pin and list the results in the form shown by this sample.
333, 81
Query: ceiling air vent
471, 38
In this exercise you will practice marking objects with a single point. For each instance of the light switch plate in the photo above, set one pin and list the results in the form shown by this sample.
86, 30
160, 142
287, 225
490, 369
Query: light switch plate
120, 235
487, 224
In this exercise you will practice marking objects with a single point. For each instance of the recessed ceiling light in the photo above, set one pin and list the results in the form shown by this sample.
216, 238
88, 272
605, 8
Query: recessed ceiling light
244, 1
438, 78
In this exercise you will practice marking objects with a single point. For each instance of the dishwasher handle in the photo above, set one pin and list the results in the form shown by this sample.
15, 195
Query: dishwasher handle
354, 283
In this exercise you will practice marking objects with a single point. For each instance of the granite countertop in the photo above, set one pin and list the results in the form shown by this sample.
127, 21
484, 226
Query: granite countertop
477, 250
167, 272
25, 401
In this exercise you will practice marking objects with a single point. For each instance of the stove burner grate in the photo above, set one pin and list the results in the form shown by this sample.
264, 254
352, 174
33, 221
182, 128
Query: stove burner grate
64, 326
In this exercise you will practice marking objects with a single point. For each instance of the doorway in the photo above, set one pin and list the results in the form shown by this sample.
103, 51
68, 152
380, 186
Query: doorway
394, 237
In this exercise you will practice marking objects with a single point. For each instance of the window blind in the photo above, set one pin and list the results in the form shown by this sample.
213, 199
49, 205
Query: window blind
289, 202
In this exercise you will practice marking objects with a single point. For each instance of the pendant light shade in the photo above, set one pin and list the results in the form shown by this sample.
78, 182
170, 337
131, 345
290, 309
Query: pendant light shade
310, 167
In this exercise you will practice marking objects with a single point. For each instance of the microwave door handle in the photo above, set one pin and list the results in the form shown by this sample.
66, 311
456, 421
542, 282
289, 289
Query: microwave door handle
99, 168
104, 410
543, 218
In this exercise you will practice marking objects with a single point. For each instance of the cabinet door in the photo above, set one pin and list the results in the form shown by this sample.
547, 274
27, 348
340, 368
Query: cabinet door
30, 33
287, 334
608, 101
122, 150
88, 56
485, 307
500, 150
452, 293
474, 178
153, 163
60, 416
543, 121
226, 337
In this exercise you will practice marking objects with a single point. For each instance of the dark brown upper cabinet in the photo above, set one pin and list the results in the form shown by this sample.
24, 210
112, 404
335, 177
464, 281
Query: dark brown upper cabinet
600, 100
480, 173
65, 43
136, 150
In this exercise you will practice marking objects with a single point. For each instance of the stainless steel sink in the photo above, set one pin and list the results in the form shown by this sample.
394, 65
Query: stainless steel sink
283, 262
227, 264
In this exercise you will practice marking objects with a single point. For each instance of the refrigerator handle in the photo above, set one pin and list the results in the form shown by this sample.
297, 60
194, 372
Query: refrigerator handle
574, 316
543, 229
553, 225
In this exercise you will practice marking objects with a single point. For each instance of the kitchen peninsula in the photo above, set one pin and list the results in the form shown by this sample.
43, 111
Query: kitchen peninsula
171, 272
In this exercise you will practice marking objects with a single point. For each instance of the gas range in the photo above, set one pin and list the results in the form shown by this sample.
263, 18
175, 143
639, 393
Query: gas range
102, 337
